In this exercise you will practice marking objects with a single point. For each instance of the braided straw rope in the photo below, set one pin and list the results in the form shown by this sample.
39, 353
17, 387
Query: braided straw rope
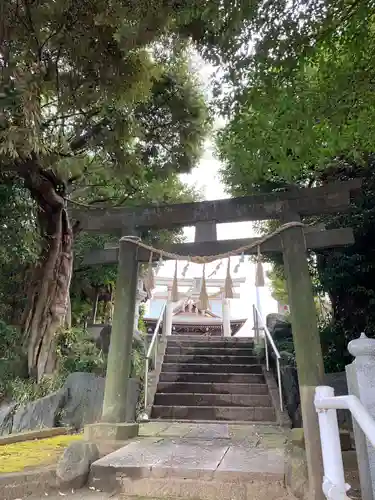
206, 259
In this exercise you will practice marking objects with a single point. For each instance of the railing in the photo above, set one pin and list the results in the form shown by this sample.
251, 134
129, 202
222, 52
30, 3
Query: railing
152, 352
260, 324
326, 404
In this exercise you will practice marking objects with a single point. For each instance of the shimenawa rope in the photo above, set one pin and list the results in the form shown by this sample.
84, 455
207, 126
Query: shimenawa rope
206, 259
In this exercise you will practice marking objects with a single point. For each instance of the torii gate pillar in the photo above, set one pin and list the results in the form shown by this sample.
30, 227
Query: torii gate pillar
113, 425
307, 346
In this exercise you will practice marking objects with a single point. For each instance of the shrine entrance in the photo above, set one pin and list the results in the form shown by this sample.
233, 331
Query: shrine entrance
293, 238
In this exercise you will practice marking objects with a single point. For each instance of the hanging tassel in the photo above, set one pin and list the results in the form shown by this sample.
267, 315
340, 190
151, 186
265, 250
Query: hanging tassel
259, 272
150, 274
174, 296
228, 285
203, 296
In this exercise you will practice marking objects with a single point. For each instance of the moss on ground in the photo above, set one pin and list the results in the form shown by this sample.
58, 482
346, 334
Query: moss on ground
18, 457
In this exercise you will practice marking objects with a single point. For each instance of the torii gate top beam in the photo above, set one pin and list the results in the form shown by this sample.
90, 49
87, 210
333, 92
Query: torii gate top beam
331, 198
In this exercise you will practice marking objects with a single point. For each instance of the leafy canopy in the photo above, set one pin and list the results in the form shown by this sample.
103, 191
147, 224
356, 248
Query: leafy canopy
295, 126
86, 90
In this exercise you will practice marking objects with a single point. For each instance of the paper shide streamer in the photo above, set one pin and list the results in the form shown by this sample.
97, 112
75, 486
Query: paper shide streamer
203, 296
259, 272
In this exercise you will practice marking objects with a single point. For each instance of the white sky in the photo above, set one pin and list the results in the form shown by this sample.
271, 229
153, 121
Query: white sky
206, 178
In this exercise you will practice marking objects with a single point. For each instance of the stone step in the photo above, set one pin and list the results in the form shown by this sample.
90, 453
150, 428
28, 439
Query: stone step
203, 468
209, 343
209, 351
205, 338
211, 388
235, 378
230, 413
186, 399
209, 368
210, 358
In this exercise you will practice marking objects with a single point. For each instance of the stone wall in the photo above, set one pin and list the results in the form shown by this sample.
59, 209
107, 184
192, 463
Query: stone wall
289, 379
77, 403
281, 331
296, 477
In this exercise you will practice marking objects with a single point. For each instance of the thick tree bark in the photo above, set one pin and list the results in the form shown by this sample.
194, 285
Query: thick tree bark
48, 299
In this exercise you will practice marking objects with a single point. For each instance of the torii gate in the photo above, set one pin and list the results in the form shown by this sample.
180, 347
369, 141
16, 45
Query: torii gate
287, 206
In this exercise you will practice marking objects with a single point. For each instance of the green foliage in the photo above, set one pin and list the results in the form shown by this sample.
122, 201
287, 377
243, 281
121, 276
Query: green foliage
137, 364
141, 324
77, 352
134, 107
13, 361
98, 106
278, 284
260, 42
81, 309
10, 340
19, 247
289, 129
304, 120
24, 390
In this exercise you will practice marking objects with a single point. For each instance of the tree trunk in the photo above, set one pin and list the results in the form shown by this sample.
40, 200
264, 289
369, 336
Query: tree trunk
48, 299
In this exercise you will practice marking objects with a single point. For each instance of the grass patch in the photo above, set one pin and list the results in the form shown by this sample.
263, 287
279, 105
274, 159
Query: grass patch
18, 457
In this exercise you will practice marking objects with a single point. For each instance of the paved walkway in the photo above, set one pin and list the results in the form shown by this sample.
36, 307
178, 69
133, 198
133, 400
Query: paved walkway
79, 495
200, 452
205, 451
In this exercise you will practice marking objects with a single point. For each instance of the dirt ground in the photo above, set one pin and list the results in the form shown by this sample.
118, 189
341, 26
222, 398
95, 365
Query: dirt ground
85, 494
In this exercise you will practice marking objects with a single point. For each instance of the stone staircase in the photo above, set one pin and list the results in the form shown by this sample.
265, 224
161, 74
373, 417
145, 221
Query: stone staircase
212, 379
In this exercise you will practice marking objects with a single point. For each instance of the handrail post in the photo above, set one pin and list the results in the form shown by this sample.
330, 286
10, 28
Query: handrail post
266, 353
146, 384
152, 351
279, 384
334, 486
256, 329
268, 338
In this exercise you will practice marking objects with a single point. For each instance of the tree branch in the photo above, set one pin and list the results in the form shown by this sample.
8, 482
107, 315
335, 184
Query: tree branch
32, 28
81, 141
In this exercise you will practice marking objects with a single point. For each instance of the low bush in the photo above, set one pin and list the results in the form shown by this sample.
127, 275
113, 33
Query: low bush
13, 360
24, 390
77, 352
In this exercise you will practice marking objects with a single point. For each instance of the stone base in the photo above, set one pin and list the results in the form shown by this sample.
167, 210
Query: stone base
104, 431
297, 438
194, 467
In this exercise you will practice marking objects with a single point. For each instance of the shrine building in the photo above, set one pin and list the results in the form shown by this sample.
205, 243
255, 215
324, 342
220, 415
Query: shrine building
186, 316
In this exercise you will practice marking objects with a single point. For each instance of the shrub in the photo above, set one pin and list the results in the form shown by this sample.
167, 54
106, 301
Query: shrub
24, 390
77, 352
13, 361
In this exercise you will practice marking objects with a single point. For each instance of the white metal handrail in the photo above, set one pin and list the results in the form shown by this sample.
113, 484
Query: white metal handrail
268, 336
152, 351
326, 404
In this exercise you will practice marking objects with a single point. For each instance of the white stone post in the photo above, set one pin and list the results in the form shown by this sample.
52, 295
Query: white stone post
226, 316
360, 375
169, 313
